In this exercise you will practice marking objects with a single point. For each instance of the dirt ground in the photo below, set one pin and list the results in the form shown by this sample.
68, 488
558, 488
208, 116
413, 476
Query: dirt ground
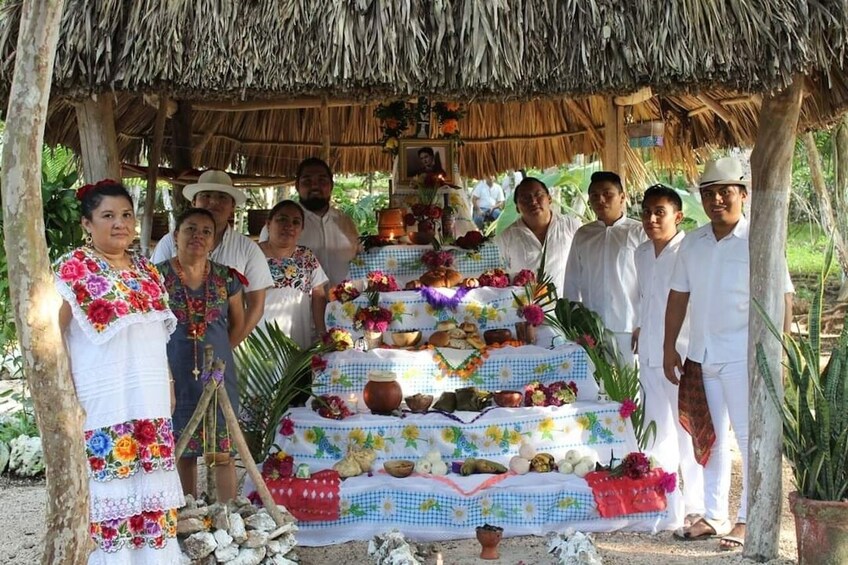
23, 503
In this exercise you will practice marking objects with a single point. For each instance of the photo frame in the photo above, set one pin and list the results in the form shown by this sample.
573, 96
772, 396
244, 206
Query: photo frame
416, 156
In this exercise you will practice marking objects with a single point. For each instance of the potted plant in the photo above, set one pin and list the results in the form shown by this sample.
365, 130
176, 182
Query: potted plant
815, 433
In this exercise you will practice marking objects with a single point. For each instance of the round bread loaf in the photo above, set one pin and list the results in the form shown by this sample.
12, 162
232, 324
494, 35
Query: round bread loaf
440, 339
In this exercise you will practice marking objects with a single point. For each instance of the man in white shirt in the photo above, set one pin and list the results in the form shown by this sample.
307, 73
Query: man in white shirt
327, 231
510, 182
214, 191
521, 243
711, 277
488, 200
662, 212
601, 270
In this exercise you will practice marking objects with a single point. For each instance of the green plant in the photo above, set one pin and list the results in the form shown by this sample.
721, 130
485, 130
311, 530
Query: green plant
619, 380
273, 373
815, 408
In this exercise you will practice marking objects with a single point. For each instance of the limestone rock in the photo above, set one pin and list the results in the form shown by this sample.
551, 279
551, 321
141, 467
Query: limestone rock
4, 456
392, 548
573, 548
246, 511
220, 513
278, 560
284, 529
190, 502
223, 538
240, 501
256, 538
199, 545
227, 553
237, 529
195, 512
190, 526
260, 521
249, 556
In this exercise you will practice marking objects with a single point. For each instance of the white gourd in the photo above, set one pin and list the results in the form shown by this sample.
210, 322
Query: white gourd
439, 468
423, 467
565, 467
572, 456
581, 470
519, 465
527, 451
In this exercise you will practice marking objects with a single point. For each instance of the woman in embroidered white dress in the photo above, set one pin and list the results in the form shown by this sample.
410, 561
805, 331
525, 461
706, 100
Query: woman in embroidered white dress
298, 298
116, 321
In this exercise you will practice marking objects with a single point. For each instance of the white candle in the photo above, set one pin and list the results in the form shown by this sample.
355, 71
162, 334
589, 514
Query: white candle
352, 403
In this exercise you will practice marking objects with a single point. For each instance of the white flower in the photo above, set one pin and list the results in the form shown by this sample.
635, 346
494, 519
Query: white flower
387, 507
529, 510
391, 264
485, 505
335, 376
566, 366
460, 514
505, 374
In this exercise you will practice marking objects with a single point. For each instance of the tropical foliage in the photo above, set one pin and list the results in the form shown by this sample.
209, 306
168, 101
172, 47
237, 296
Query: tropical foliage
815, 406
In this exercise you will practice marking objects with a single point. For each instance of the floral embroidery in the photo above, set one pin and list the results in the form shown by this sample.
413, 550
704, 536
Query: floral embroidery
295, 272
184, 300
120, 450
149, 529
106, 295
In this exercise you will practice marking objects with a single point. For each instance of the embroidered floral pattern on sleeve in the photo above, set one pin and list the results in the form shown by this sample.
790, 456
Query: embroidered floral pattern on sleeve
146, 529
215, 300
121, 450
295, 271
106, 295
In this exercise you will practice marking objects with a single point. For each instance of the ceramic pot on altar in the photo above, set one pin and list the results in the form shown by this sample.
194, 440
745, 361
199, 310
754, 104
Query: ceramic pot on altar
489, 538
373, 340
382, 394
390, 223
525, 333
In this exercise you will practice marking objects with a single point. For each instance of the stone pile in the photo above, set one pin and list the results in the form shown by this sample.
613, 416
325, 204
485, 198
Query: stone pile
236, 533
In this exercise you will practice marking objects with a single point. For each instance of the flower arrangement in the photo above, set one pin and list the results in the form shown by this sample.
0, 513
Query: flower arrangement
378, 281
395, 117
318, 363
448, 114
554, 394
336, 339
345, 291
331, 406
277, 466
471, 240
433, 258
373, 318
636, 465
425, 211
497, 278
523, 277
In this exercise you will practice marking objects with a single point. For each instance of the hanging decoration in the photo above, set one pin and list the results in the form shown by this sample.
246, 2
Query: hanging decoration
449, 114
395, 117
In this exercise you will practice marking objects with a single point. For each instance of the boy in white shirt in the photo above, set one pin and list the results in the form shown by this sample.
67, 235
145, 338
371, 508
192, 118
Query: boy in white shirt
662, 212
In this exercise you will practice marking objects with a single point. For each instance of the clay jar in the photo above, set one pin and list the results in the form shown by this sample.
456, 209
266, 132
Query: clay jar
382, 394
489, 538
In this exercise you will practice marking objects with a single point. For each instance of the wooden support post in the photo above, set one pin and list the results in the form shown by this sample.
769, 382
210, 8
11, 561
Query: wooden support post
181, 149
771, 166
325, 130
98, 140
153, 159
615, 138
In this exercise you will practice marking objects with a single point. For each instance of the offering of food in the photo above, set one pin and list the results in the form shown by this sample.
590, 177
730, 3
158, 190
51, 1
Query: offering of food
399, 468
441, 277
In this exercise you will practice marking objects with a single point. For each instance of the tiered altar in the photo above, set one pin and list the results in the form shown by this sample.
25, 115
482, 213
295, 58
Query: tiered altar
440, 507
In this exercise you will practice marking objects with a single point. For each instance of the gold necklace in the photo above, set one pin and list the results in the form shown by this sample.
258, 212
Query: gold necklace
196, 330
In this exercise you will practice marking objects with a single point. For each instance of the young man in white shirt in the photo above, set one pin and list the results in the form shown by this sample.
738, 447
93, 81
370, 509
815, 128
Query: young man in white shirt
662, 212
214, 191
488, 200
711, 277
601, 270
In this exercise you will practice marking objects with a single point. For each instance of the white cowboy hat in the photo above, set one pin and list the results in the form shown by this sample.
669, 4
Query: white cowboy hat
726, 170
215, 181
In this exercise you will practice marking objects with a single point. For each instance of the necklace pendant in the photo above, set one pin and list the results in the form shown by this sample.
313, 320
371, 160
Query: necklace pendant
196, 372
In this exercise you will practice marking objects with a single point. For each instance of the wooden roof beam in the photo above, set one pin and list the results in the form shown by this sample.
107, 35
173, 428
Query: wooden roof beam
717, 108
260, 105
585, 121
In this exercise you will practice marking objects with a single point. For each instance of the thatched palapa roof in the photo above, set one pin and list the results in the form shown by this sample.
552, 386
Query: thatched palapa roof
533, 73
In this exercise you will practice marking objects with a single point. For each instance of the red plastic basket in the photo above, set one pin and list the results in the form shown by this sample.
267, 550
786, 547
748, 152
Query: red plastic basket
616, 496
315, 499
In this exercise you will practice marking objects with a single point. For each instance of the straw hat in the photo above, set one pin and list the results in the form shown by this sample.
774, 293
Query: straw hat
726, 170
217, 181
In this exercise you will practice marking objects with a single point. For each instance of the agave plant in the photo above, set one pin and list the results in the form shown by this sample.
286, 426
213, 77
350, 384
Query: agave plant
815, 407
273, 374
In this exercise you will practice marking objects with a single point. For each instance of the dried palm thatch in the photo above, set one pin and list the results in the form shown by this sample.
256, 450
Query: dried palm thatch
534, 73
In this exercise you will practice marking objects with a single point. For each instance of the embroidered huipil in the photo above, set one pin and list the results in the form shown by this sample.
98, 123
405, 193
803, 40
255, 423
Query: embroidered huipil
116, 343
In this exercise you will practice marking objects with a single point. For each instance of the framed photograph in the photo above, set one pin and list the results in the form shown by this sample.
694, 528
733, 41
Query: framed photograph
425, 156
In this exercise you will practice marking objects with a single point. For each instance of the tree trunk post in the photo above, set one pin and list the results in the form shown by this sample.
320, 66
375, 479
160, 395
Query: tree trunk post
826, 210
614, 138
771, 166
153, 173
182, 147
36, 303
98, 140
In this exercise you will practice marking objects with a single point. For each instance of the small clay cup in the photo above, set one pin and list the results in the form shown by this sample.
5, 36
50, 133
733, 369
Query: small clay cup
419, 403
489, 538
493, 337
399, 468
508, 398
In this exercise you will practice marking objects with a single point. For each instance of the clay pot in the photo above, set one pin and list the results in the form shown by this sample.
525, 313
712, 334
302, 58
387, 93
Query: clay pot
489, 537
508, 398
821, 528
390, 223
525, 333
382, 393
399, 468
419, 403
422, 237
497, 336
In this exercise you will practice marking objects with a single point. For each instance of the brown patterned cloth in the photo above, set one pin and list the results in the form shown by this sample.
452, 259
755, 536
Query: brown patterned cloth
694, 411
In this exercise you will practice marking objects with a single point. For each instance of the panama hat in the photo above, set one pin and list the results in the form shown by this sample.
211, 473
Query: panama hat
726, 170
215, 181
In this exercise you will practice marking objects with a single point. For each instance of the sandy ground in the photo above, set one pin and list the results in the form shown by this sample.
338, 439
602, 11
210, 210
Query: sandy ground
24, 503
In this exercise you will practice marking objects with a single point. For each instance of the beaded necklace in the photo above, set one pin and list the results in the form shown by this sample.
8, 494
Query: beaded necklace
196, 330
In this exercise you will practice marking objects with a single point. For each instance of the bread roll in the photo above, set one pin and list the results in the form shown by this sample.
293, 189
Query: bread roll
458, 343
468, 327
475, 341
414, 284
456, 333
452, 278
440, 339
445, 326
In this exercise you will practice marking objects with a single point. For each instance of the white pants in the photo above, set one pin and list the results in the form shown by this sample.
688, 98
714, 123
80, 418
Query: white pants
672, 446
625, 349
726, 387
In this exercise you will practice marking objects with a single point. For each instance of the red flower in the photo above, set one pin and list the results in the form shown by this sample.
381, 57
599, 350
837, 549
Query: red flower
144, 432
287, 428
80, 292
668, 482
138, 541
101, 311
635, 465
409, 219
108, 533
628, 407
96, 463
587, 341
164, 451
139, 301
121, 308
151, 289
72, 270
434, 212
136, 523
318, 363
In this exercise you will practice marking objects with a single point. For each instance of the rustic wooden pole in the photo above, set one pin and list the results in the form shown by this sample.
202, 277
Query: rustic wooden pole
325, 129
98, 140
210, 436
182, 145
614, 138
153, 159
36, 304
771, 166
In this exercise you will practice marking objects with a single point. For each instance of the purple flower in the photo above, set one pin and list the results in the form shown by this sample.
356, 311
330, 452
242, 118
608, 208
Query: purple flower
668, 482
97, 286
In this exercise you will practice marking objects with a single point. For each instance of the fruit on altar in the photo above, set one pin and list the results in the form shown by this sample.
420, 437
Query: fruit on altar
527, 451
473, 466
582, 469
519, 465
441, 277
573, 456
565, 467
439, 468
423, 467
446, 402
542, 463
